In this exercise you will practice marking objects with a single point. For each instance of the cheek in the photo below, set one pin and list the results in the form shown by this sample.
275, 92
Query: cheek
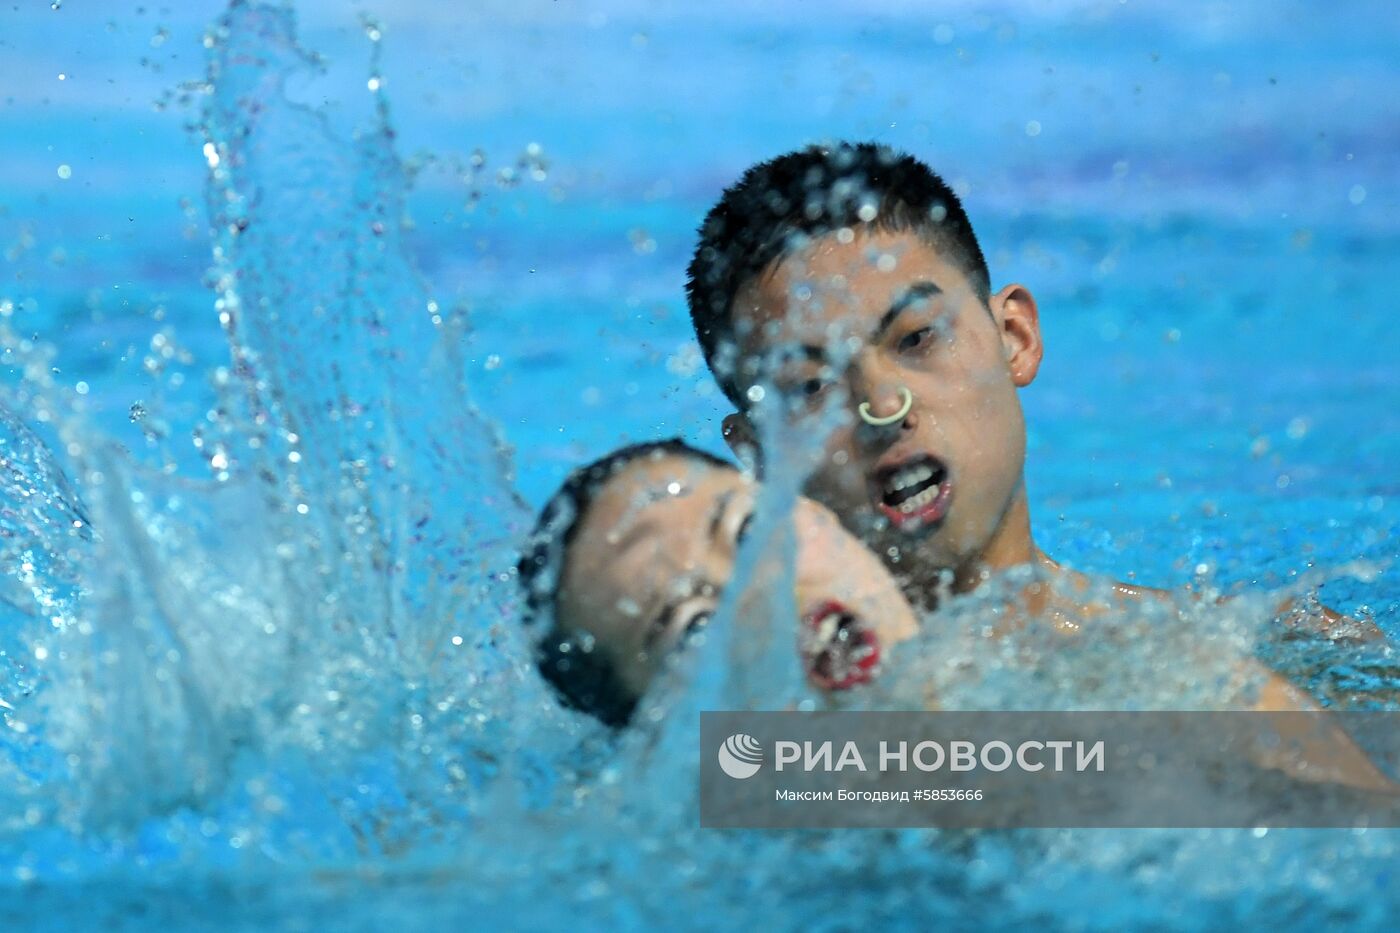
837, 477
636, 673
981, 408
985, 443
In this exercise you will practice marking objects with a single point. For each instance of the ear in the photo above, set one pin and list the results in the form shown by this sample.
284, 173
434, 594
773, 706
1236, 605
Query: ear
1014, 310
741, 437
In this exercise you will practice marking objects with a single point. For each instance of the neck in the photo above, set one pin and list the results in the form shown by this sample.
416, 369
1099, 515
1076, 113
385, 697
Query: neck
1011, 545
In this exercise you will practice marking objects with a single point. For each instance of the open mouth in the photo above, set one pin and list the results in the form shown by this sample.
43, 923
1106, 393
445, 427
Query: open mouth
839, 649
915, 493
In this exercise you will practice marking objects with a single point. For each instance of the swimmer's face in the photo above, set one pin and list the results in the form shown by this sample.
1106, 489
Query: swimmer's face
862, 316
650, 560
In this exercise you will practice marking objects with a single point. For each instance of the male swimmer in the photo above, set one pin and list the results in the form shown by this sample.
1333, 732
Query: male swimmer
632, 554
848, 279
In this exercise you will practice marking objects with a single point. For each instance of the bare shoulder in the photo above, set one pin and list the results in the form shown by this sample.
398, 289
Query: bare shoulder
1140, 592
1311, 616
1303, 615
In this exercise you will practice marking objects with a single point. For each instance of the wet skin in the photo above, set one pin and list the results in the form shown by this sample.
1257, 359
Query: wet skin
866, 315
651, 558
862, 318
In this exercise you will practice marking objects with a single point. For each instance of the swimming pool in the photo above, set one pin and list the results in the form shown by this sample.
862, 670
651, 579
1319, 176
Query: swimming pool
261, 716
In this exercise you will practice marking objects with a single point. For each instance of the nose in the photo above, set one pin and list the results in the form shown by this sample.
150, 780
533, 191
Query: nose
888, 403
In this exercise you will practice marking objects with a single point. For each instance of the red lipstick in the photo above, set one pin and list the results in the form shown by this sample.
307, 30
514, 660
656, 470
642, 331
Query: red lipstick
838, 648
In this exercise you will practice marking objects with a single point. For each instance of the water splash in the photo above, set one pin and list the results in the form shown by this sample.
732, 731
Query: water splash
295, 687
336, 589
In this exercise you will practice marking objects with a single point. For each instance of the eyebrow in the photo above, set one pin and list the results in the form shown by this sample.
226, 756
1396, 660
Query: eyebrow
717, 516
634, 534
661, 622
914, 293
663, 618
642, 529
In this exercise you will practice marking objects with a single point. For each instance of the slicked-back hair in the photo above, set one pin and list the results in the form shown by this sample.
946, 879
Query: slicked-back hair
808, 194
581, 674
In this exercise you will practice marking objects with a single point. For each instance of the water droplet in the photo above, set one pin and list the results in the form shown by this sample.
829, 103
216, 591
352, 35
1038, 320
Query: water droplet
1033, 128
65, 172
1357, 194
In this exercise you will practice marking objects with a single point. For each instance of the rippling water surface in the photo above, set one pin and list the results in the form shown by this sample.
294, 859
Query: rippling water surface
294, 342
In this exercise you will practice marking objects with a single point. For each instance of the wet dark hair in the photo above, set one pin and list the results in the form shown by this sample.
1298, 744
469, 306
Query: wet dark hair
584, 678
813, 192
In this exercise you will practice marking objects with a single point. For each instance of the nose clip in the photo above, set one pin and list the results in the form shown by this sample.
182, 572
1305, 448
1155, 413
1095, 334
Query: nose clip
878, 421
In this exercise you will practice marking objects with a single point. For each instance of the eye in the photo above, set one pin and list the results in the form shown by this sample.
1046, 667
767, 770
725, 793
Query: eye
744, 527
804, 383
697, 622
675, 623
806, 390
915, 340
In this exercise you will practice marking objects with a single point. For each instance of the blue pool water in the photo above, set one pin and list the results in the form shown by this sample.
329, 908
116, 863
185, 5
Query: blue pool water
274, 316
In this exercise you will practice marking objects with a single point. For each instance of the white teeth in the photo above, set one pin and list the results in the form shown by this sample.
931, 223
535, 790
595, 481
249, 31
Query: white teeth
910, 477
925, 497
823, 635
913, 503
